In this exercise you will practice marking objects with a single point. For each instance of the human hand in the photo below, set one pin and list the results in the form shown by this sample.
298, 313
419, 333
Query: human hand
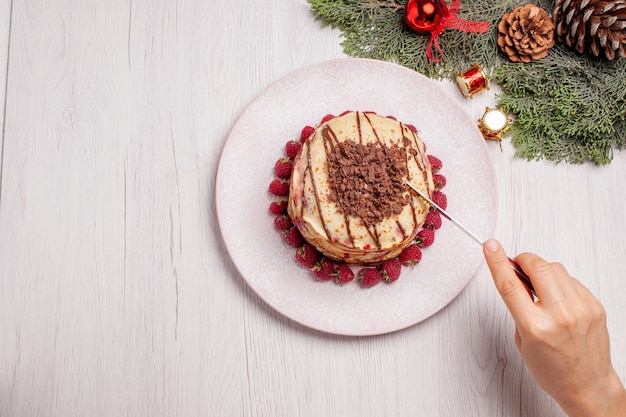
562, 337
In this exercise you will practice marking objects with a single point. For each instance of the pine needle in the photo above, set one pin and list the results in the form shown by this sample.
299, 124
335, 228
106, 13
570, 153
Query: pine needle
567, 107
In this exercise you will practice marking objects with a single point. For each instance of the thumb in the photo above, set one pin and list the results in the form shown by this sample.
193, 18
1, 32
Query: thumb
511, 289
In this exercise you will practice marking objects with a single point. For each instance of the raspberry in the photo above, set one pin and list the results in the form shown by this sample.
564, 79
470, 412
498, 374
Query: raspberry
433, 219
435, 163
368, 277
410, 256
390, 270
279, 188
327, 118
440, 199
282, 222
440, 181
343, 274
425, 238
307, 255
306, 132
293, 237
324, 270
278, 207
283, 168
292, 148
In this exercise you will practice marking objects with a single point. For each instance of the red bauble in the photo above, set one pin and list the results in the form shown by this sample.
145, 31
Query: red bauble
426, 16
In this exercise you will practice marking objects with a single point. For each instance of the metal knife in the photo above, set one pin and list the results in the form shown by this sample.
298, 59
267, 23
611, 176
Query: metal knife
516, 268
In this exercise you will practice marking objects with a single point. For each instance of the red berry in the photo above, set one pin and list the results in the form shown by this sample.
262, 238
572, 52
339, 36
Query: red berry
327, 118
306, 132
391, 270
435, 163
279, 188
440, 199
278, 207
410, 256
425, 238
343, 274
433, 219
292, 148
413, 128
307, 255
324, 270
440, 181
283, 168
283, 222
368, 277
293, 237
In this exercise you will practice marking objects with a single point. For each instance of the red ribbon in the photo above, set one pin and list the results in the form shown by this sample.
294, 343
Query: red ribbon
453, 22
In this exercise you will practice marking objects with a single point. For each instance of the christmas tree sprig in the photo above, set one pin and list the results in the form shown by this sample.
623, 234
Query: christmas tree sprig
567, 107
376, 29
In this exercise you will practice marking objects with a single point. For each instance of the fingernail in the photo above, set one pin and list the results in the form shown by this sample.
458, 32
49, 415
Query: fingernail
492, 245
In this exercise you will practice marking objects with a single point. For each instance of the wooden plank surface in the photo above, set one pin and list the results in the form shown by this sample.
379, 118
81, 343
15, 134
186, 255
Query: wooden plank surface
5, 25
118, 297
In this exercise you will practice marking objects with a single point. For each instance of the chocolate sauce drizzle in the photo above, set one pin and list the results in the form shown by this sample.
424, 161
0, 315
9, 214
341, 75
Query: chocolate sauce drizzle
367, 179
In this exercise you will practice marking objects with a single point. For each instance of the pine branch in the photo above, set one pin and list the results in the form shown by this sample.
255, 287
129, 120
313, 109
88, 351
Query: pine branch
376, 29
390, 4
567, 107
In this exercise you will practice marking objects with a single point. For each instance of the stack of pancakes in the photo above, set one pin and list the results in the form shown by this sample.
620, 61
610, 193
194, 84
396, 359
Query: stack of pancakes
347, 194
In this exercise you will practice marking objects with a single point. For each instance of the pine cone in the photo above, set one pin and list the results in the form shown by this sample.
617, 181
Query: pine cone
595, 27
526, 33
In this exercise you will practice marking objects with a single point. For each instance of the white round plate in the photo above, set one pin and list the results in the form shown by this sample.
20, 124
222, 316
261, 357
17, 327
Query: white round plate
267, 263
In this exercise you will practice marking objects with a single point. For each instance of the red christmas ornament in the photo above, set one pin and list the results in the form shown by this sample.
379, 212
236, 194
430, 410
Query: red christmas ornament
426, 16
433, 16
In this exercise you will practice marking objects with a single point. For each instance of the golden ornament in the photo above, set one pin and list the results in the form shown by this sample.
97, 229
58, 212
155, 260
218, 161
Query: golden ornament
494, 124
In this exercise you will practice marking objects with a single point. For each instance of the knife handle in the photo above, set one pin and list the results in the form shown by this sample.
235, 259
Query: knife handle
524, 278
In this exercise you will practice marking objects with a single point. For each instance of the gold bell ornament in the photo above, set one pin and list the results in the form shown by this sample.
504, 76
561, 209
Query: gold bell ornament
494, 124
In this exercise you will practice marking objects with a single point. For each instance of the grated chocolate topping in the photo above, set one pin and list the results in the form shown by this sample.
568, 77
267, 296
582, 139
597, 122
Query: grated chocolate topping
367, 180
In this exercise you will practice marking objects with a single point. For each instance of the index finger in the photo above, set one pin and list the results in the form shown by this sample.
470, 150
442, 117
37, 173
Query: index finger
511, 289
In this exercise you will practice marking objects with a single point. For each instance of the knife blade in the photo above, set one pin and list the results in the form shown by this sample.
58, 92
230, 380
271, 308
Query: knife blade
521, 275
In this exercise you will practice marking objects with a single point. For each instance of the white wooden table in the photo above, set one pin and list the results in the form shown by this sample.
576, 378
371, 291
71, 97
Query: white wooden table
117, 295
